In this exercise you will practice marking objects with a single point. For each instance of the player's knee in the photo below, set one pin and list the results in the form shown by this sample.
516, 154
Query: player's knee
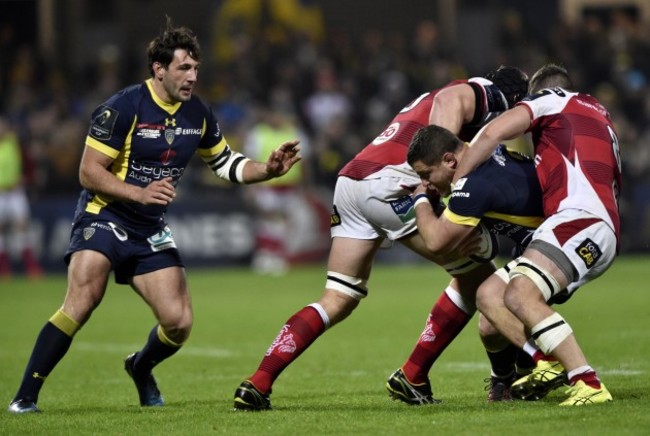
337, 306
177, 325
485, 328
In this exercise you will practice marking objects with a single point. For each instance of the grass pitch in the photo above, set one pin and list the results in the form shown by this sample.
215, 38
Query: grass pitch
338, 385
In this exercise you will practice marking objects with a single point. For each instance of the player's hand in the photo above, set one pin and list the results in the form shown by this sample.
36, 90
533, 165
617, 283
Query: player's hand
160, 192
282, 159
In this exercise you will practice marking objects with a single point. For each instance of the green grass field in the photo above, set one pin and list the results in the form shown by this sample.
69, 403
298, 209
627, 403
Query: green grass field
337, 386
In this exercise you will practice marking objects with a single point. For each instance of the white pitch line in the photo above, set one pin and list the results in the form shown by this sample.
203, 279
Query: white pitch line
129, 348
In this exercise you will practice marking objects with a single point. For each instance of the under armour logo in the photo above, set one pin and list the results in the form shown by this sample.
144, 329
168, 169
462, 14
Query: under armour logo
37, 375
170, 122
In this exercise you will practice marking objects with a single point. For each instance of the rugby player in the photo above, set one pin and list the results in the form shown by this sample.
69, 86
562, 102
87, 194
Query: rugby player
578, 164
138, 146
372, 208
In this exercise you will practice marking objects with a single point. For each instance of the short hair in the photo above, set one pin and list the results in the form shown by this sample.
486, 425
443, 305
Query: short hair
550, 76
430, 143
511, 81
161, 49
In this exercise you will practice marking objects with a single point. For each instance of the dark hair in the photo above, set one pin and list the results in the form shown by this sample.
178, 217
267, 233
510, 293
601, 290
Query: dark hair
430, 143
161, 49
550, 76
511, 81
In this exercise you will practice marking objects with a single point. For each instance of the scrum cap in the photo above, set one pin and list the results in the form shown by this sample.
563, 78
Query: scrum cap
511, 81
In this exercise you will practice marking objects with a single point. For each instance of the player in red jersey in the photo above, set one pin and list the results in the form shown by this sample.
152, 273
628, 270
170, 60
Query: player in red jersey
372, 206
578, 164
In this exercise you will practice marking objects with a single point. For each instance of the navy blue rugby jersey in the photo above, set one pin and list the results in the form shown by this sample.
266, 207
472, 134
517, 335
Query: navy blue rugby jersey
503, 193
148, 140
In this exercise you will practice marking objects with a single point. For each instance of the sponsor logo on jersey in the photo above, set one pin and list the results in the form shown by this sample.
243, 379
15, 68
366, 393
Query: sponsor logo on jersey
404, 209
387, 134
589, 252
103, 123
147, 173
335, 218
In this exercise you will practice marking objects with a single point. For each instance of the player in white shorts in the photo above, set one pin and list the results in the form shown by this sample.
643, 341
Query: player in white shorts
372, 206
578, 165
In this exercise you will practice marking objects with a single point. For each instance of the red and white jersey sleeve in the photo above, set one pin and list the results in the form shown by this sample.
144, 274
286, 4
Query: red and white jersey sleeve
577, 155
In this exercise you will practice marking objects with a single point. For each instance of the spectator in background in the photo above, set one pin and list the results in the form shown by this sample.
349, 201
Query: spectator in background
280, 204
14, 206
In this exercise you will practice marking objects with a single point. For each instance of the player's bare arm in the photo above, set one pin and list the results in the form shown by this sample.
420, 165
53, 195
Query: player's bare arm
512, 124
95, 175
452, 107
440, 235
278, 164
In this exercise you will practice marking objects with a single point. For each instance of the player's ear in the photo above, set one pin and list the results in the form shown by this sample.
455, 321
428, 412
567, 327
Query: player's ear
449, 159
158, 70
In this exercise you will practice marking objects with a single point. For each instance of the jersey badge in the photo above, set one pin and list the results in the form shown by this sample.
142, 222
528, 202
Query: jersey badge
102, 125
88, 233
170, 134
460, 184
589, 252
335, 218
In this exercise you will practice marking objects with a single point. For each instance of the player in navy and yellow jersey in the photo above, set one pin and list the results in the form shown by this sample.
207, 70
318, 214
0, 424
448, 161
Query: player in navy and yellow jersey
138, 147
503, 196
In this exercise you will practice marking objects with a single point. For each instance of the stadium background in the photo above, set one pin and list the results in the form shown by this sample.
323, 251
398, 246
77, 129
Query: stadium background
344, 67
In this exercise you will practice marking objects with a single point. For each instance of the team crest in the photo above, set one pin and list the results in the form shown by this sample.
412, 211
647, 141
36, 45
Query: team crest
428, 335
170, 134
284, 342
88, 232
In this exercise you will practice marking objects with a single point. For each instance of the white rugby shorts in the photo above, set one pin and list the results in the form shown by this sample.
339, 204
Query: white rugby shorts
591, 249
372, 208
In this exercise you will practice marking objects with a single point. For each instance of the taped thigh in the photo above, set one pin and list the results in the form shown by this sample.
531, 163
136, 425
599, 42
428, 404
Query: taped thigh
348, 285
544, 281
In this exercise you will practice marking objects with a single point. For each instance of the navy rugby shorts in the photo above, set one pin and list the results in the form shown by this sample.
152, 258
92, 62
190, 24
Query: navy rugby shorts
131, 252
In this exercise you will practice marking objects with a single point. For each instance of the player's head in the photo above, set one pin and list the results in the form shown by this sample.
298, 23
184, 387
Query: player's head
432, 154
550, 76
511, 81
161, 49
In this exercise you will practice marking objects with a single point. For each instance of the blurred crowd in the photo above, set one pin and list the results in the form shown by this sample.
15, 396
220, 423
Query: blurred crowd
338, 89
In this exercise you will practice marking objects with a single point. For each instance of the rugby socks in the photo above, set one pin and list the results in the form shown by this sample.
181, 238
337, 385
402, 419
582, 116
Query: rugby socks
535, 353
524, 364
444, 323
51, 345
502, 362
585, 373
299, 332
158, 348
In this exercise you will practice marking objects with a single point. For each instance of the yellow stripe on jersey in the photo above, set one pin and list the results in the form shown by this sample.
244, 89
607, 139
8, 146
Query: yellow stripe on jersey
167, 107
101, 147
459, 219
526, 221
214, 150
119, 168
